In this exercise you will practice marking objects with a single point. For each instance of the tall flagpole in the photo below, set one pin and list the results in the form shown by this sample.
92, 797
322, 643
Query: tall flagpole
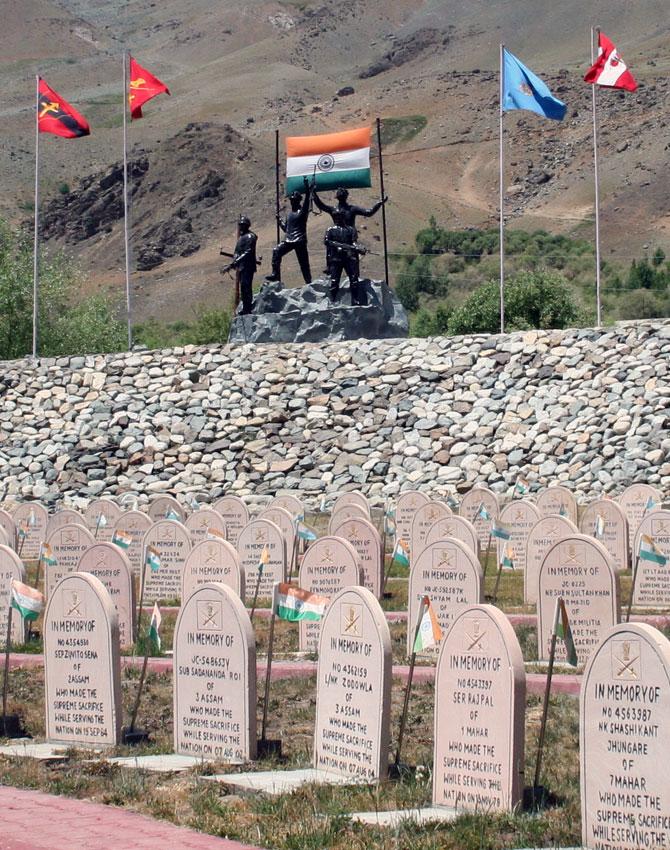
381, 189
36, 236
502, 193
126, 227
597, 186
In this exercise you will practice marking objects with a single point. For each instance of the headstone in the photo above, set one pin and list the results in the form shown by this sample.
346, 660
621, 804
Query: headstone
365, 539
200, 521
449, 573
542, 537
454, 526
283, 519
68, 544
35, 518
469, 507
329, 565
624, 748
136, 524
110, 564
634, 501
171, 539
425, 516
578, 569
213, 561
11, 568
100, 517
519, 516
353, 497
214, 677
615, 536
480, 704
163, 506
254, 537
557, 500
343, 513
353, 690
408, 503
235, 515
8, 525
290, 503
652, 586
4, 538
67, 516
82, 667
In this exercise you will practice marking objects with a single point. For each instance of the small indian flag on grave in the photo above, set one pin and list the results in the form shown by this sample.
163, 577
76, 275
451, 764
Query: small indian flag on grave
651, 504
507, 560
154, 626
171, 513
562, 511
521, 487
429, 633
122, 539
649, 551
452, 502
48, 556
264, 559
599, 529
500, 531
215, 534
102, 521
153, 559
26, 600
294, 603
32, 519
305, 532
401, 553
562, 630
23, 530
482, 513
330, 159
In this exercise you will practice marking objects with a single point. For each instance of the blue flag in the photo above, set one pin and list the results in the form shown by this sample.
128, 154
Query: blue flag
522, 89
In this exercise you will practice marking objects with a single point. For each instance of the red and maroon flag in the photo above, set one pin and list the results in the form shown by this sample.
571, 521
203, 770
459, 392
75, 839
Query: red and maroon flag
143, 86
55, 115
609, 69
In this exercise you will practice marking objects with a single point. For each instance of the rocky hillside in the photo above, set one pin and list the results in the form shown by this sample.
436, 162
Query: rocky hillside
586, 408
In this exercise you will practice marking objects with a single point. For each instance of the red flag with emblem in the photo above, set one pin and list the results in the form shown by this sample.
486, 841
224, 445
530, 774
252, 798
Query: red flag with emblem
55, 115
609, 69
143, 86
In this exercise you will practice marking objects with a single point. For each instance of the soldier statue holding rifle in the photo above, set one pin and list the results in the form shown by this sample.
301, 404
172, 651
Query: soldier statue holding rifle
295, 228
244, 260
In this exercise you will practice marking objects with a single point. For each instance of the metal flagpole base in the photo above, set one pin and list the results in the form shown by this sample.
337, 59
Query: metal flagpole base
135, 737
11, 727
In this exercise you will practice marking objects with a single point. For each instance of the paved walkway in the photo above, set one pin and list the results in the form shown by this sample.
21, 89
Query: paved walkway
35, 821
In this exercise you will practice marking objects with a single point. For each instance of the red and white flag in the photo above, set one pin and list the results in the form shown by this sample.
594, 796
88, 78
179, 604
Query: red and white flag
609, 68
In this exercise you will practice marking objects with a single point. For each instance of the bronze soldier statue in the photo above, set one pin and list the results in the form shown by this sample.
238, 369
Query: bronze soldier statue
342, 252
244, 260
295, 228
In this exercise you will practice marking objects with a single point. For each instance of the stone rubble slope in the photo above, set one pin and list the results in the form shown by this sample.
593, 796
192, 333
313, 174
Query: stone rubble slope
584, 407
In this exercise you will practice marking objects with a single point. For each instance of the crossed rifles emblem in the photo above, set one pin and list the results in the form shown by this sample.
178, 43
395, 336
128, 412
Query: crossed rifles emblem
626, 663
74, 609
209, 616
352, 622
475, 640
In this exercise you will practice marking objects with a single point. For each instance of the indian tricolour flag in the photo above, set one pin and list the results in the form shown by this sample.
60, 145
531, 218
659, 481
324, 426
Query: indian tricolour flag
649, 551
47, 556
401, 553
122, 539
155, 625
294, 603
26, 600
332, 159
215, 534
429, 632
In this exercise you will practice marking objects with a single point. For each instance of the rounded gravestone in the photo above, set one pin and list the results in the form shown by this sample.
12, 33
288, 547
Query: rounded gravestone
64, 517
108, 563
290, 503
11, 569
480, 704
365, 539
214, 677
469, 509
4, 538
213, 561
615, 534
100, 517
353, 497
353, 688
34, 518
406, 506
636, 501
201, 521
652, 586
557, 500
68, 544
235, 515
454, 526
579, 570
172, 542
449, 573
8, 525
166, 507
623, 743
133, 525
258, 535
425, 516
329, 565
82, 667
519, 516
283, 519
542, 537
343, 513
